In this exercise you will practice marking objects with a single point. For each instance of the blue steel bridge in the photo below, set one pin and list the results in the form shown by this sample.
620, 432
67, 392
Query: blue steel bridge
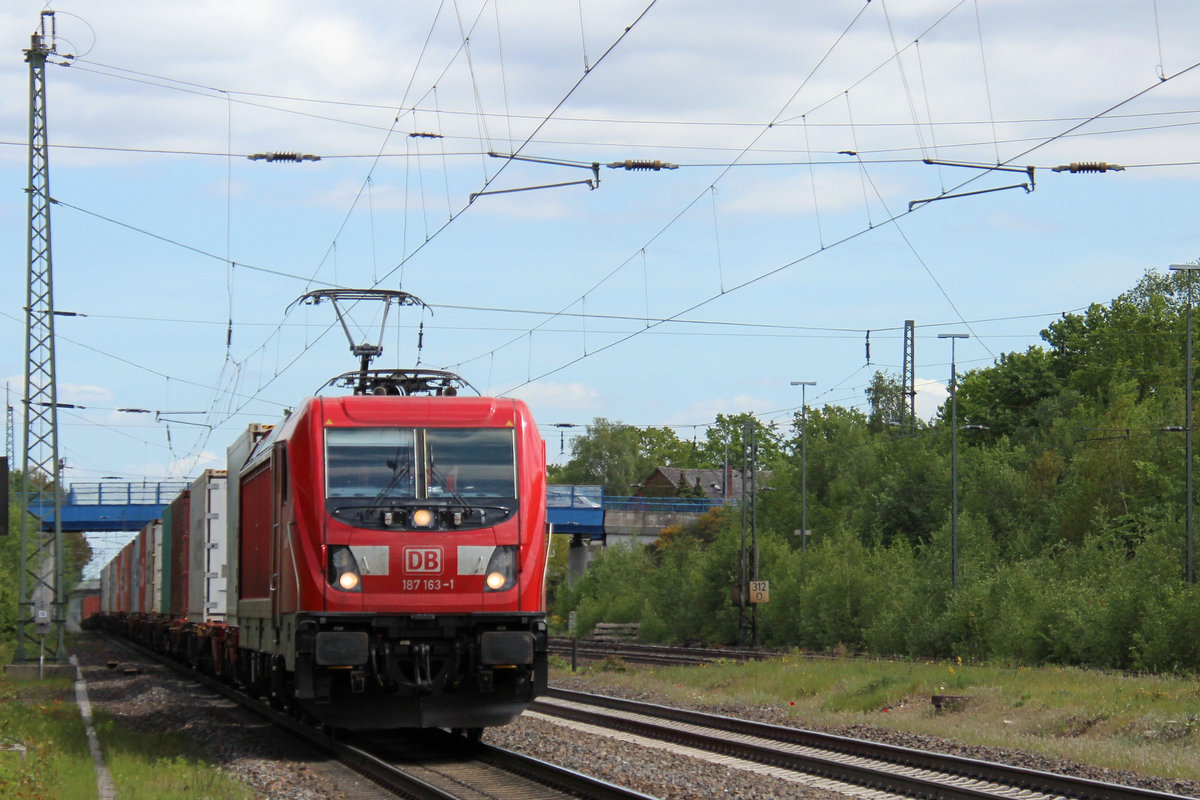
110, 505
130, 505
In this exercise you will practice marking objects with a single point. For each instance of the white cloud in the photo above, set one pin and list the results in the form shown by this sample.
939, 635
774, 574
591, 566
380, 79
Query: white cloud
930, 396
563, 397
708, 409
84, 395
176, 469
693, 83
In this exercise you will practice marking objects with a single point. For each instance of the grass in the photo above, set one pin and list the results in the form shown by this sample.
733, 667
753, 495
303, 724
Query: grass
153, 766
42, 718
1148, 724
46, 752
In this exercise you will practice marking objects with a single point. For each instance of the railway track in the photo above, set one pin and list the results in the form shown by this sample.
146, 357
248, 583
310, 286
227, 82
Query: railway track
838, 763
597, 650
440, 765
430, 765
443, 767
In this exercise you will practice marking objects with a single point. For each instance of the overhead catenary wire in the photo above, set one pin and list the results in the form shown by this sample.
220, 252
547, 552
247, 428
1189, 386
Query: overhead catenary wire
454, 216
868, 155
220, 93
894, 217
761, 132
592, 328
311, 279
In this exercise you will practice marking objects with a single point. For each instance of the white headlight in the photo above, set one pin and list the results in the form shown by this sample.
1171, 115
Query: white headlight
501, 573
343, 569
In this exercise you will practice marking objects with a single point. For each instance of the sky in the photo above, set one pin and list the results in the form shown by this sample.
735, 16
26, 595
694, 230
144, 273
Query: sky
789, 242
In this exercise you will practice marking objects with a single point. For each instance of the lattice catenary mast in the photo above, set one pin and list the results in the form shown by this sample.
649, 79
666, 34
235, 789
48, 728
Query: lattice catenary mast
908, 421
42, 601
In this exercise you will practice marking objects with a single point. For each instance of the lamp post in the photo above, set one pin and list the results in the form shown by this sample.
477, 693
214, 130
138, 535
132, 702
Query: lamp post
803, 462
953, 456
1189, 569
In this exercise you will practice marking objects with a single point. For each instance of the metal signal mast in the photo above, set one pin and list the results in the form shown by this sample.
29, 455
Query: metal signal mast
41, 610
908, 418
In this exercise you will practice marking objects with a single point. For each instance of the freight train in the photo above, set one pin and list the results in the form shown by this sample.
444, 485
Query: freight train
375, 561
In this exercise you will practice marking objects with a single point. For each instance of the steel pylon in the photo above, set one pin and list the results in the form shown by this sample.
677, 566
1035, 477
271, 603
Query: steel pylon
908, 380
41, 612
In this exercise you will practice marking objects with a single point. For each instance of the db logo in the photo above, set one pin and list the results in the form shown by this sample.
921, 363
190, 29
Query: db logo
422, 559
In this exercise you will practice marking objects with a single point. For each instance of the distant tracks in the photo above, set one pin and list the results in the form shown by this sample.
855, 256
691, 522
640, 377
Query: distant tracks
880, 767
597, 650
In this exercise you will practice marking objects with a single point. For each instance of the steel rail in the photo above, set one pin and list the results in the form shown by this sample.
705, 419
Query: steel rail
593, 649
893, 768
394, 778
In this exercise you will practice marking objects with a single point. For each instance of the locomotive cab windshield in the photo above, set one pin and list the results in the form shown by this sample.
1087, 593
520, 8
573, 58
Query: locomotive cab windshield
420, 478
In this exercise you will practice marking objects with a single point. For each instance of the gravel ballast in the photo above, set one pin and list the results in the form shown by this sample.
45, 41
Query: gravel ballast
277, 767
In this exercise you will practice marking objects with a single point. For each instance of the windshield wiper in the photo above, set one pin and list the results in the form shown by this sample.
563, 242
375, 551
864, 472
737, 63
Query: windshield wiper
438, 477
399, 472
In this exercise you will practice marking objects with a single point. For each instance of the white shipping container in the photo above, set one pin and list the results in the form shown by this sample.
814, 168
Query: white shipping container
209, 545
156, 569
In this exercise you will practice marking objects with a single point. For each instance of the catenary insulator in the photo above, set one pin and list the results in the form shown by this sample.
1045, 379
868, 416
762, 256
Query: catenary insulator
1089, 166
297, 157
631, 163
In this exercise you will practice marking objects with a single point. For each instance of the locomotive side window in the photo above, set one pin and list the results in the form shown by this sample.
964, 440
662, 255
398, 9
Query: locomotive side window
370, 462
470, 462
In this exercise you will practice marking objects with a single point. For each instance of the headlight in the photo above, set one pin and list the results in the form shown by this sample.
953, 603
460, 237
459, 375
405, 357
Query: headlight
343, 569
501, 571
422, 518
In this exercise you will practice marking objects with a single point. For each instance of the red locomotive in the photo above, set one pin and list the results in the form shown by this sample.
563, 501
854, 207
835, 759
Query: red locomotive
393, 554
381, 562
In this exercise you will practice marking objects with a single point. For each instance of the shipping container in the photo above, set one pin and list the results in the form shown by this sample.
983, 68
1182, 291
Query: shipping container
123, 564
177, 560
208, 543
155, 603
137, 598
108, 576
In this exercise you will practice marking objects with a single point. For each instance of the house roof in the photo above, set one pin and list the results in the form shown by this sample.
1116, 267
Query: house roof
712, 481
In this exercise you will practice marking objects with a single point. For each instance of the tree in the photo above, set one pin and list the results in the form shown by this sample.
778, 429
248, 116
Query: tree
608, 454
621, 456
660, 447
886, 396
727, 432
1139, 334
1070, 519
1022, 391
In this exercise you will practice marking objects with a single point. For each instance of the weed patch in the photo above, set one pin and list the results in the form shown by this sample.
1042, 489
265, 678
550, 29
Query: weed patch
45, 751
